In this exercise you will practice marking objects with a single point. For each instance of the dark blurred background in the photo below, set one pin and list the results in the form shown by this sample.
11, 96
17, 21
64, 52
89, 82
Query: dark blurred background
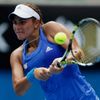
65, 14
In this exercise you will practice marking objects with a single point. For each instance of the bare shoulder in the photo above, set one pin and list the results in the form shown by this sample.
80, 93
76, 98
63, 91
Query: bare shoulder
17, 53
53, 27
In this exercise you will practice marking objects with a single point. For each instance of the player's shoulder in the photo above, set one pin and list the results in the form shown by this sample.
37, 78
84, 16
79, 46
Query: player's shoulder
52, 27
51, 24
17, 51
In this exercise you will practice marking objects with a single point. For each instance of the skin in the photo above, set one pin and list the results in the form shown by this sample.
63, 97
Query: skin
29, 29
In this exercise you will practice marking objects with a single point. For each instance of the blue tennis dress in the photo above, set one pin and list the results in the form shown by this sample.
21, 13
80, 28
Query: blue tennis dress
69, 84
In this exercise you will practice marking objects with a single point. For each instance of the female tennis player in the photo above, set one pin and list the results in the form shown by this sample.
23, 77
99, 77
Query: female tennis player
35, 60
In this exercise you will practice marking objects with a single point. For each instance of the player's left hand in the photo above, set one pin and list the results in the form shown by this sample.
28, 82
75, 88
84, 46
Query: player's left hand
54, 69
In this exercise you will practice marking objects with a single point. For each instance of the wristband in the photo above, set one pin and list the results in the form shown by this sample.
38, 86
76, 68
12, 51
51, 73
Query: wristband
30, 76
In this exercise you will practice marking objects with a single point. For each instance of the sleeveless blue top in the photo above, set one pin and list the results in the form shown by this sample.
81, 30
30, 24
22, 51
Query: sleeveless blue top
69, 84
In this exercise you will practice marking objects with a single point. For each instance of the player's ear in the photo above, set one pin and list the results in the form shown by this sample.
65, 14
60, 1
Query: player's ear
36, 24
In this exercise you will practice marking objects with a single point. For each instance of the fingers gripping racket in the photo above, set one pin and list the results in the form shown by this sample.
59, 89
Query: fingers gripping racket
87, 33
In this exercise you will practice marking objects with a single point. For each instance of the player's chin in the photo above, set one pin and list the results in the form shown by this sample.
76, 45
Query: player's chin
20, 37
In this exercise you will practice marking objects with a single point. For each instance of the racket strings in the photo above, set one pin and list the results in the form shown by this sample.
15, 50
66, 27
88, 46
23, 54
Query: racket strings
94, 57
87, 35
89, 30
88, 59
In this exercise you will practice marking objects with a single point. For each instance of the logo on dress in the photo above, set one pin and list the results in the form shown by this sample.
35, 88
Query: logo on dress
48, 49
25, 66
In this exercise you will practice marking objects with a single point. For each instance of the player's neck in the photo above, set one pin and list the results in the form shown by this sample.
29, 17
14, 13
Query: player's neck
34, 40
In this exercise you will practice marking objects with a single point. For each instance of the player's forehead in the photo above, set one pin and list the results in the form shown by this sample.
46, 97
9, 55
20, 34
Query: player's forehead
16, 18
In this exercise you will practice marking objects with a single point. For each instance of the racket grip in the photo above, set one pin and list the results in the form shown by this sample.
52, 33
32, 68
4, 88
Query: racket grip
59, 64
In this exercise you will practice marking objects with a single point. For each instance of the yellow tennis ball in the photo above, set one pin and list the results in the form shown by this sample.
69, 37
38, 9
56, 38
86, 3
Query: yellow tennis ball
60, 38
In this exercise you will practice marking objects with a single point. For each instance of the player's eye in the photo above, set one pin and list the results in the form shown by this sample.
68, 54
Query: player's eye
19, 21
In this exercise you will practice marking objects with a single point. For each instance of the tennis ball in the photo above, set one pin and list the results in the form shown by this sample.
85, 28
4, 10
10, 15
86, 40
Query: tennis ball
60, 38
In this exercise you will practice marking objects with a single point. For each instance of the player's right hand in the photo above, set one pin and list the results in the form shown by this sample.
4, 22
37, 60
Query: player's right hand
42, 73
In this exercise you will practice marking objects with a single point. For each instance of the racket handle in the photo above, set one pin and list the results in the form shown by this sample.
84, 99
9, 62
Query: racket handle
59, 64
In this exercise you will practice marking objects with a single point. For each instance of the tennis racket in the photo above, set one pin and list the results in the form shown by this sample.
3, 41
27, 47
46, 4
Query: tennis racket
87, 33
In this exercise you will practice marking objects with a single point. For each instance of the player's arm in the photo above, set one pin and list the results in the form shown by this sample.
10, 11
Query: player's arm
52, 28
20, 82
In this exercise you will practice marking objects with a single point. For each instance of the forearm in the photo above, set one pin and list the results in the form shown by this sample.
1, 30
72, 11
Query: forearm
24, 83
21, 86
